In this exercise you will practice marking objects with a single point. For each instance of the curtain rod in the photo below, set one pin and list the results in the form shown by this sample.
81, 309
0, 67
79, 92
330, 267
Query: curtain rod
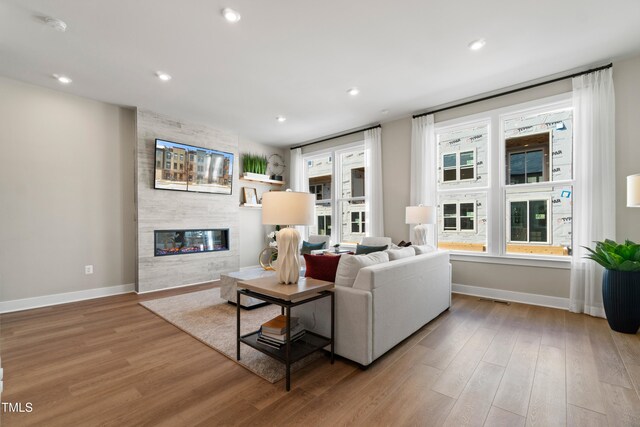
462, 104
334, 137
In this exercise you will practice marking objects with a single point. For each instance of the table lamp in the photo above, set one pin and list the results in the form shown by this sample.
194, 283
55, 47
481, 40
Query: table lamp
420, 215
288, 208
633, 191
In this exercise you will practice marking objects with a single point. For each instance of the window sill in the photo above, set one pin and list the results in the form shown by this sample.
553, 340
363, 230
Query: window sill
539, 261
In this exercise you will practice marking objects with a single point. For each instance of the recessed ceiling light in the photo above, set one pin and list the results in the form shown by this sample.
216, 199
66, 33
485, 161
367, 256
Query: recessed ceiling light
62, 79
230, 15
55, 23
163, 76
384, 111
477, 44
281, 119
353, 91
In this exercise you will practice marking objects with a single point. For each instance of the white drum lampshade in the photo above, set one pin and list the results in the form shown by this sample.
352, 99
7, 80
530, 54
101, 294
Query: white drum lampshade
420, 215
633, 191
288, 208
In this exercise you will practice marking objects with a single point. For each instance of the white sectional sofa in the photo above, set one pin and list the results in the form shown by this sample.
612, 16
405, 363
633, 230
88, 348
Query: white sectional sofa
388, 302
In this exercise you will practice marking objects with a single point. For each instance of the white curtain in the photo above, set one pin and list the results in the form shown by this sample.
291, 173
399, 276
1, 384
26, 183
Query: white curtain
594, 189
423, 167
297, 182
373, 182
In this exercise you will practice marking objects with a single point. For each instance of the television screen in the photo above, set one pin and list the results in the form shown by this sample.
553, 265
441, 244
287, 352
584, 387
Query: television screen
184, 167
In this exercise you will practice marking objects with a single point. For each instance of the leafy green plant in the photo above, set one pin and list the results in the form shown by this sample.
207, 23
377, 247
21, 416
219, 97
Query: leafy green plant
613, 256
254, 164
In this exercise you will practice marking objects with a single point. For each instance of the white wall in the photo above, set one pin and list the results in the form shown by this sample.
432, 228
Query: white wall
66, 191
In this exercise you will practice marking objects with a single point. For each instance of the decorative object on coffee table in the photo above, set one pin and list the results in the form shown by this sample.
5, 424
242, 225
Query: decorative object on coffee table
620, 283
420, 215
288, 208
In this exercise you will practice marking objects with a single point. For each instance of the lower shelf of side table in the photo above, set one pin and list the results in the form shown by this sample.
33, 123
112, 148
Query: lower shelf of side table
300, 348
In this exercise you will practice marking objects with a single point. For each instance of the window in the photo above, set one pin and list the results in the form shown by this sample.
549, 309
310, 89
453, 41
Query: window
324, 225
459, 166
529, 221
458, 217
317, 189
525, 209
168, 155
528, 158
357, 222
336, 178
168, 165
182, 157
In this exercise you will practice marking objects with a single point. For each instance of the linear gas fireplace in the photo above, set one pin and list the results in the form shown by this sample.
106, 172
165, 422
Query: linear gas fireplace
180, 242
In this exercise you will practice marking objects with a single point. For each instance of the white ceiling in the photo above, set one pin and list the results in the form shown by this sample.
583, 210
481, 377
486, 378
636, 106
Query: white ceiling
298, 58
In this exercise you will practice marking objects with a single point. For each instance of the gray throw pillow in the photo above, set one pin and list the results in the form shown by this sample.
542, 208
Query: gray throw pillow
362, 249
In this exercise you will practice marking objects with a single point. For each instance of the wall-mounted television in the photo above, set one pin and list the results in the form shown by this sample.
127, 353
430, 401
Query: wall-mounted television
183, 167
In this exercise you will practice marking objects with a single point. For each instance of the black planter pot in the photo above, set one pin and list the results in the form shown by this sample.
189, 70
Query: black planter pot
621, 298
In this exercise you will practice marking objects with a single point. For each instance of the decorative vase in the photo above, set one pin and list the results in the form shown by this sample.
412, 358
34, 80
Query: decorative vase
621, 298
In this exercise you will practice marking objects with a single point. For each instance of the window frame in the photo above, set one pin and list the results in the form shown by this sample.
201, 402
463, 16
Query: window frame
528, 241
458, 166
458, 217
335, 202
495, 188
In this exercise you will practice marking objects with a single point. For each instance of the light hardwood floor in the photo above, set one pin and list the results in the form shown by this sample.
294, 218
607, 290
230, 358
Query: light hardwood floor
111, 362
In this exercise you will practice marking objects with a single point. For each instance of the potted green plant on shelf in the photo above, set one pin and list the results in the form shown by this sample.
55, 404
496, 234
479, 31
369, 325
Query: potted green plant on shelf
620, 283
254, 166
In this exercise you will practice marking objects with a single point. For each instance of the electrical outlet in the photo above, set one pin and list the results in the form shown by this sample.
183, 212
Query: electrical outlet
88, 269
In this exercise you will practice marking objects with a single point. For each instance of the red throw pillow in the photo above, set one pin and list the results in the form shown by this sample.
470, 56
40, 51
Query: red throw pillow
322, 267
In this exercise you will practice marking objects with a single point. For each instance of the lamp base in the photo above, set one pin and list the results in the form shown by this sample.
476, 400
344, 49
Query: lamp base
420, 234
288, 266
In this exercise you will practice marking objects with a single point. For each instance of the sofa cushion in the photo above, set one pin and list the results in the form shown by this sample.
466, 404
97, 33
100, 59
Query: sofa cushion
395, 254
362, 249
308, 247
423, 249
321, 267
350, 265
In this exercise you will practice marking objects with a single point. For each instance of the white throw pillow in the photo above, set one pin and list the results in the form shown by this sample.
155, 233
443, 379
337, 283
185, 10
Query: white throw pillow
350, 265
395, 254
423, 249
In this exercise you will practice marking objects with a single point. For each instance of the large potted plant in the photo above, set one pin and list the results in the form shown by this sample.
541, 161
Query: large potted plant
620, 283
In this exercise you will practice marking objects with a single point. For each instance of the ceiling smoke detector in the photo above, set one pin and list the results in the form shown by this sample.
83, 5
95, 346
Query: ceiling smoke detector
56, 24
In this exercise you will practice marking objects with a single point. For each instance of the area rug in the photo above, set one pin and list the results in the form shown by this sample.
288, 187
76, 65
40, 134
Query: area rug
210, 319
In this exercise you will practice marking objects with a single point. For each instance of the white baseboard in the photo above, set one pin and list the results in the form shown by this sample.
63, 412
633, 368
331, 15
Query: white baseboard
175, 287
522, 297
47, 300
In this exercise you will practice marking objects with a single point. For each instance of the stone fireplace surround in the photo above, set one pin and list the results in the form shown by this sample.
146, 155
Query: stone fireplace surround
174, 210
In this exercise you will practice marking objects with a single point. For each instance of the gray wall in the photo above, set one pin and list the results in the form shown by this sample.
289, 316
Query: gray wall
626, 76
169, 210
253, 235
396, 141
66, 190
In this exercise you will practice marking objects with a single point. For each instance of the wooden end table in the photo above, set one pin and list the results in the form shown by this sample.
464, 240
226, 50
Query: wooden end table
287, 296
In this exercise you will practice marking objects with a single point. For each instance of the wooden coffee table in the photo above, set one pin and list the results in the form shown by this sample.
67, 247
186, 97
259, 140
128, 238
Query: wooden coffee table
286, 296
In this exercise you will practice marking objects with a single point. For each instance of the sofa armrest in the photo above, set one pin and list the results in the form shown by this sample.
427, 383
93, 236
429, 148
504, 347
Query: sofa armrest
353, 321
